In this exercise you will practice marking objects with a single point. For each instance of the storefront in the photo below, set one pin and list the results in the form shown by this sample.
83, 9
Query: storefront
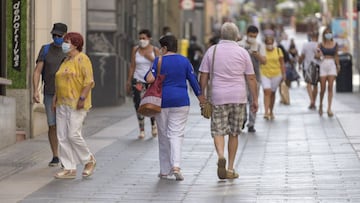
7, 104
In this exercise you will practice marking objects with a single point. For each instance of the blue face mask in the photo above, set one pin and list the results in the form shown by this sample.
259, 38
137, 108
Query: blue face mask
58, 40
65, 47
328, 36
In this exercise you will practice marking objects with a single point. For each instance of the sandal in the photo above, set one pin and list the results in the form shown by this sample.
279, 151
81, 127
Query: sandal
231, 174
89, 167
141, 135
330, 113
154, 131
66, 174
163, 176
178, 175
221, 170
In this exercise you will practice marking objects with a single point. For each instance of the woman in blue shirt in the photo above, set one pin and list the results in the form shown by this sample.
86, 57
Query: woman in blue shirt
175, 104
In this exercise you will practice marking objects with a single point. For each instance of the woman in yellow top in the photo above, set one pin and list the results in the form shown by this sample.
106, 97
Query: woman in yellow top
73, 83
272, 73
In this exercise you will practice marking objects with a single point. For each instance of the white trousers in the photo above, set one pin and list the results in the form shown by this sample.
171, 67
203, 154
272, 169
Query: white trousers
72, 146
171, 129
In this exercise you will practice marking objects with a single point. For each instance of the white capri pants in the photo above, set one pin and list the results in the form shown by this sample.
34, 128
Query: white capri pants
271, 83
171, 129
72, 146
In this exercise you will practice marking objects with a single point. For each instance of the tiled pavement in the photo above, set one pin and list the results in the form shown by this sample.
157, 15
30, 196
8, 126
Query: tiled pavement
298, 157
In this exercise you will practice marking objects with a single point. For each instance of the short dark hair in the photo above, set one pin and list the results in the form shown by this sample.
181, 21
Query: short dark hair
145, 32
166, 29
76, 39
170, 42
252, 29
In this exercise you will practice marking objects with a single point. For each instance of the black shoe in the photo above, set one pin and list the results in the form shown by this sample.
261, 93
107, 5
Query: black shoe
243, 125
54, 162
251, 129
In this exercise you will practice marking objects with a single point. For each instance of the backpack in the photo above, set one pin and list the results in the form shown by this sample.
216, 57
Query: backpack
43, 55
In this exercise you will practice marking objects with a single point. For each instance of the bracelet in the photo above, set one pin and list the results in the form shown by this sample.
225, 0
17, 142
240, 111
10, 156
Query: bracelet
82, 98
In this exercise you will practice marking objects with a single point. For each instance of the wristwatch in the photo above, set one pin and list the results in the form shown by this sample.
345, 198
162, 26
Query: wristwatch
82, 98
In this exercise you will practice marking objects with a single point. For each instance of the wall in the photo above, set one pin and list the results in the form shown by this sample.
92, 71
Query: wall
7, 121
73, 14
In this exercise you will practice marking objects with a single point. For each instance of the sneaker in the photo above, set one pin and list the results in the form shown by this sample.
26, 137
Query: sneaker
251, 129
243, 125
221, 170
54, 162
66, 174
231, 174
154, 131
142, 135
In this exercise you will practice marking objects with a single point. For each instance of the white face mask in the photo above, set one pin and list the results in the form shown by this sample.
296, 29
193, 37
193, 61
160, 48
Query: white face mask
143, 43
251, 40
269, 46
66, 47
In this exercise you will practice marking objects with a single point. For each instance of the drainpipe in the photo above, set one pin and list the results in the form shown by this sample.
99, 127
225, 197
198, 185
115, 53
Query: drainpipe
31, 62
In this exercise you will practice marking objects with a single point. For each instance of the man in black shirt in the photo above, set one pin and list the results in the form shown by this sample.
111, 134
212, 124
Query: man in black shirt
47, 64
195, 54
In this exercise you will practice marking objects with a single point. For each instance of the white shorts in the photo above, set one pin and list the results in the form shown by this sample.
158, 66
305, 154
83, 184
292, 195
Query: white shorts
327, 67
271, 83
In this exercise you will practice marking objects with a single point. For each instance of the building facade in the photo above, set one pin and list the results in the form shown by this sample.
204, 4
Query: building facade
110, 28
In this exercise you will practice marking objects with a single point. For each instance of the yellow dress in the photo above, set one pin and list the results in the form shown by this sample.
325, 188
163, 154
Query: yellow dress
71, 78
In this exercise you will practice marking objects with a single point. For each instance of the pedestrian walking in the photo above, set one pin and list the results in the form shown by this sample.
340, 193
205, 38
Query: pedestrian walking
228, 66
329, 68
142, 56
306, 58
257, 54
174, 106
47, 64
291, 69
195, 54
272, 73
73, 83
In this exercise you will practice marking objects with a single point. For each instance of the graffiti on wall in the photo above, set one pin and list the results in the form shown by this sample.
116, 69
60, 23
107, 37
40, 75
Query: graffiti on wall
102, 47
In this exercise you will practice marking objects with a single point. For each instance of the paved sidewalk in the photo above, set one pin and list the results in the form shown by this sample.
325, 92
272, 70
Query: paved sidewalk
298, 157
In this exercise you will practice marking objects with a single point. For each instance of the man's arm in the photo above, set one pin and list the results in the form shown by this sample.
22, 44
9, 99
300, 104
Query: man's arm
204, 77
36, 80
261, 54
251, 79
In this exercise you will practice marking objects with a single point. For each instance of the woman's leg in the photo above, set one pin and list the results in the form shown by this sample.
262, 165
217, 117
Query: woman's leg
164, 142
267, 100
138, 89
272, 102
66, 153
322, 92
330, 93
176, 131
77, 141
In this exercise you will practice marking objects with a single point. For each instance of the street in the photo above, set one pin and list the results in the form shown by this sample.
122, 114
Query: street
298, 157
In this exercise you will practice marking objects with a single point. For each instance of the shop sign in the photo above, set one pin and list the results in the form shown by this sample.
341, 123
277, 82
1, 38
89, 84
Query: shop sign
16, 34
